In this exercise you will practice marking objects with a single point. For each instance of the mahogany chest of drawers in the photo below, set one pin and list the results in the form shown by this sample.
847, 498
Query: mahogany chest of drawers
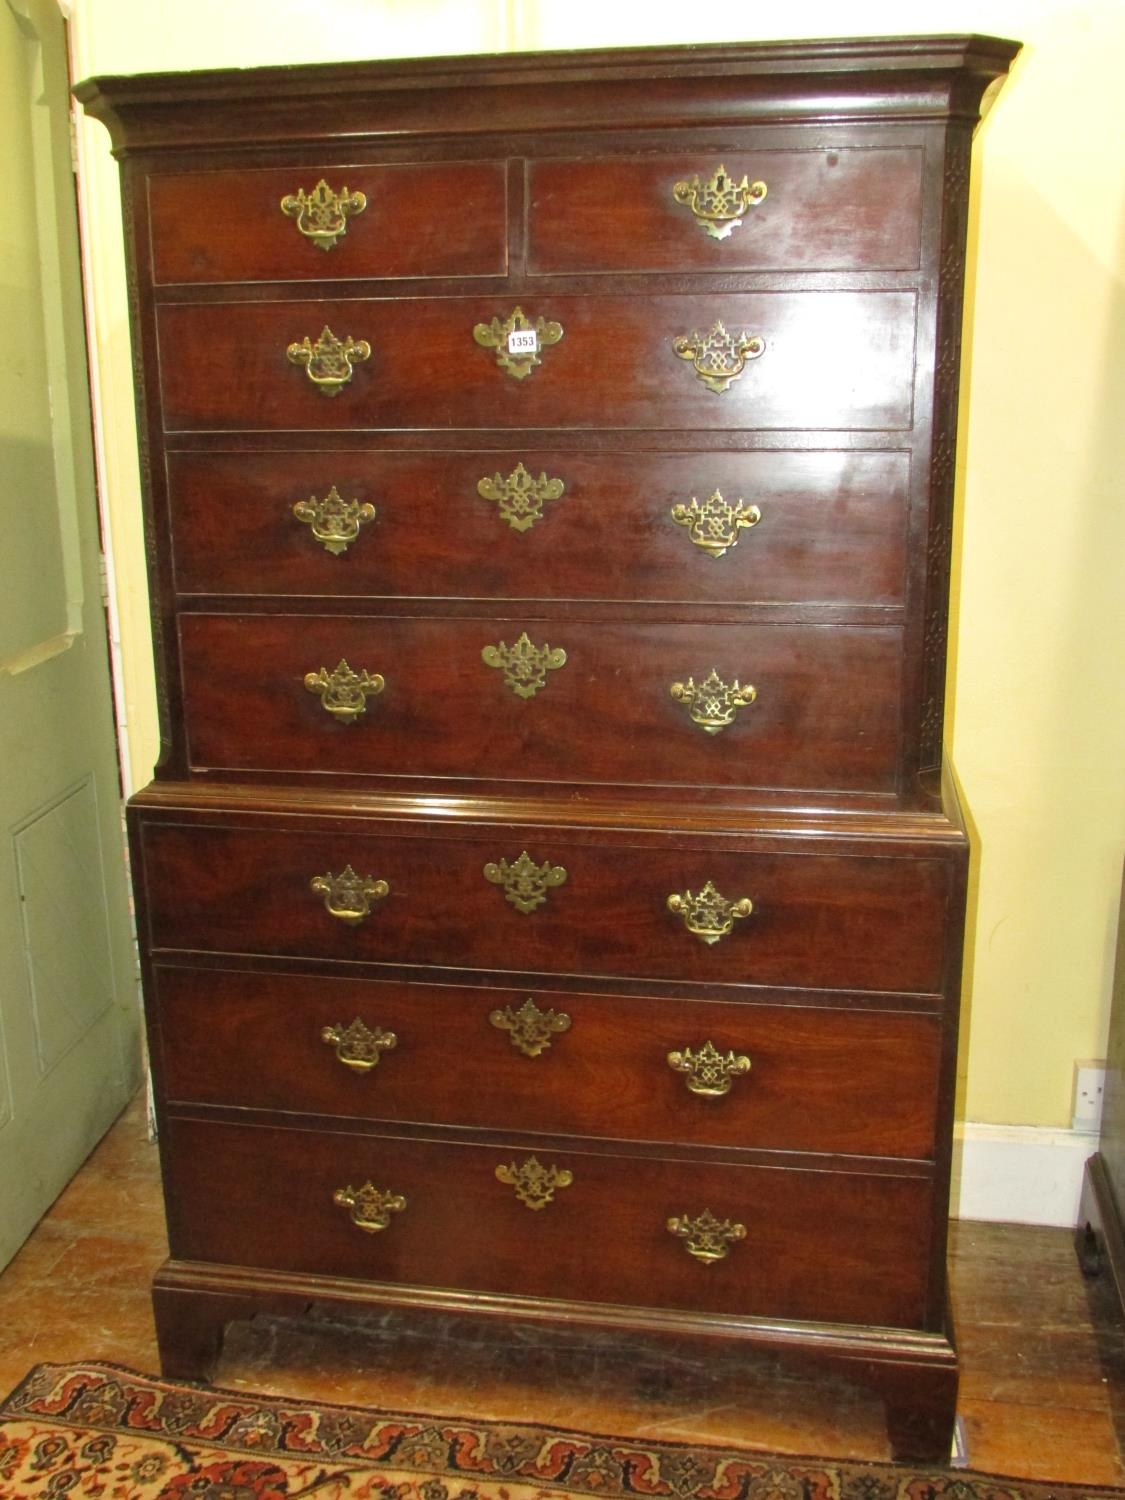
547, 891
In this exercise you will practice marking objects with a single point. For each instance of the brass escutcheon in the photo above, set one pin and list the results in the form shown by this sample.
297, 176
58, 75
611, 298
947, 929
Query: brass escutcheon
520, 496
322, 215
342, 692
709, 1073
348, 896
535, 1184
718, 357
530, 1029
334, 521
708, 916
371, 1208
719, 203
525, 666
525, 883
357, 1046
707, 1238
517, 341
714, 703
328, 362
715, 524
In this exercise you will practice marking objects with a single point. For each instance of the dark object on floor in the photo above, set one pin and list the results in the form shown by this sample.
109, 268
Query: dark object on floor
1100, 1239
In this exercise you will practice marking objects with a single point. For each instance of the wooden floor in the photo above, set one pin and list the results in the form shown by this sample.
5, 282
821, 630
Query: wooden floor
1042, 1391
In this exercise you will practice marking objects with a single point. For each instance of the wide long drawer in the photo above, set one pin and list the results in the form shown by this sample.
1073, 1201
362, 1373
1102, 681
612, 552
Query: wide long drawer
566, 1223
623, 1067
823, 527
541, 901
799, 360
544, 701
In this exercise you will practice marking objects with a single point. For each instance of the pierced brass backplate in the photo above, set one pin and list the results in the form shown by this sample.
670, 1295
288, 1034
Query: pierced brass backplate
535, 1184
349, 896
719, 203
707, 1238
530, 1029
322, 215
334, 521
328, 362
714, 703
708, 1073
715, 524
358, 1046
520, 496
517, 341
371, 1208
708, 916
342, 692
524, 665
718, 357
525, 883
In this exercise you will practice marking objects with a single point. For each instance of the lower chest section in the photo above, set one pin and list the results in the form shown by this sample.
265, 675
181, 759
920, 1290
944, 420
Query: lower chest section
705, 1075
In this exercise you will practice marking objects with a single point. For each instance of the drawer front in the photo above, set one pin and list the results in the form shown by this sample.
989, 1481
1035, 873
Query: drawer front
545, 701
826, 209
602, 1238
828, 360
230, 226
553, 1062
829, 527
819, 921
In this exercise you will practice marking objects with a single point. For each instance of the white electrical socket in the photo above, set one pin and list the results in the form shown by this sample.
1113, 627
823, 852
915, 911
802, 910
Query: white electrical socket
1089, 1092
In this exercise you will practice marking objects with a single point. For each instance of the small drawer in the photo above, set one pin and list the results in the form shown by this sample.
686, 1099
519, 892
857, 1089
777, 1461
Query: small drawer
823, 527
544, 701
541, 901
231, 226
600, 1233
823, 209
774, 1077
797, 360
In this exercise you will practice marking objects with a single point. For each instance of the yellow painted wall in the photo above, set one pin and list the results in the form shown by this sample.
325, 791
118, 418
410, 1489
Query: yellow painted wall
1037, 699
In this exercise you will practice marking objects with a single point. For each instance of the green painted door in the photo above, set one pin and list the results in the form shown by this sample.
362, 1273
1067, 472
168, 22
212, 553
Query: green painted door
68, 1011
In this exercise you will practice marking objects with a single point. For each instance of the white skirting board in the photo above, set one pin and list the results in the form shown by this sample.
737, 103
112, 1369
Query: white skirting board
1019, 1174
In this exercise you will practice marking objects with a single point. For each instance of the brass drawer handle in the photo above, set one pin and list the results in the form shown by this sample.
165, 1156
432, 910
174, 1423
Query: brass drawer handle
708, 915
334, 521
371, 1209
520, 497
535, 1184
525, 883
708, 1073
525, 666
517, 341
707, 1238
348, 896
530, 1029
322, 215
718, 357
714, 703
342, 692
328, 362
716, 523
719, 203
357, 1046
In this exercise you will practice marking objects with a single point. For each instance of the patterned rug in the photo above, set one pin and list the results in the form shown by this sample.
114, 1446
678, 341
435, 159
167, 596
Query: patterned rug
103, 1432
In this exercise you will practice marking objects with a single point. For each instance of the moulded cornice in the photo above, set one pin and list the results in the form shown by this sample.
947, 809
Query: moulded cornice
872, 77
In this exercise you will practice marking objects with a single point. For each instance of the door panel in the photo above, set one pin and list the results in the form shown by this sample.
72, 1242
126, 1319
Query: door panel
66, 948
